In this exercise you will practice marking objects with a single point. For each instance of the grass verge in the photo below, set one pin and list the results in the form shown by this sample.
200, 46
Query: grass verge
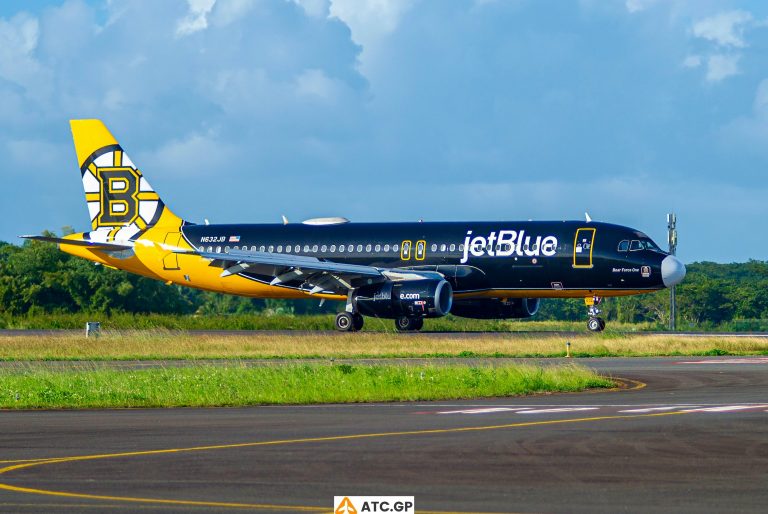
213, 386
158, 345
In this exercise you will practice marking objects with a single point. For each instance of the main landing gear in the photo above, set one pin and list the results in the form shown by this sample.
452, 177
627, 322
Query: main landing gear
406, 324
595, 322
348, 322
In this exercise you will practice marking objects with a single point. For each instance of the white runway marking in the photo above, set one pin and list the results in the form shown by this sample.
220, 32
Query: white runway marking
660, 409
737, 360
488, 410
565, 409
727, 408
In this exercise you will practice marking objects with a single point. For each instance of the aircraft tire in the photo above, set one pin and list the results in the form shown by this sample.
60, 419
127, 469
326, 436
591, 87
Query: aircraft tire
357, 322
345, 322
595, 325
406, 324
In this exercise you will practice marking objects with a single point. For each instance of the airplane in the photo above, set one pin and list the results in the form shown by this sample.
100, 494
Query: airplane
401, 271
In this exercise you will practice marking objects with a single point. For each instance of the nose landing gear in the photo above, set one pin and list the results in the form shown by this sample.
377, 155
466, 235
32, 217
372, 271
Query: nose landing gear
595, 322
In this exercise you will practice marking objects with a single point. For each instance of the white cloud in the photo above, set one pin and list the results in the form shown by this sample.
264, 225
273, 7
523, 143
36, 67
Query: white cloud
197, 17
316, 8
316, 84
724, 29
720, 66
692, 61
634, 6
370, 22
18, 41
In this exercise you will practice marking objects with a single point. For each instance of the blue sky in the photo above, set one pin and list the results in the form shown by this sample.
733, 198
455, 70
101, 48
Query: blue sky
240, 111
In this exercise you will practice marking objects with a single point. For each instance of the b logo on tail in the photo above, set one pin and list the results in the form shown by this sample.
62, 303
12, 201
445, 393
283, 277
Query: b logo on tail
121, 203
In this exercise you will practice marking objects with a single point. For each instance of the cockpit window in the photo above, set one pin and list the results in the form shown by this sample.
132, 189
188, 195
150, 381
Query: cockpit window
636, 245
650, 245
624, 246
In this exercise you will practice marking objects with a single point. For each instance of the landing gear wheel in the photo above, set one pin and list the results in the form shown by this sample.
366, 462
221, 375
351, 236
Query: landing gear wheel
406, 324
357, 322
596, 324
345, 322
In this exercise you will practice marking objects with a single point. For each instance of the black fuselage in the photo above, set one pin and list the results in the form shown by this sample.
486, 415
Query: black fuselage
479, 259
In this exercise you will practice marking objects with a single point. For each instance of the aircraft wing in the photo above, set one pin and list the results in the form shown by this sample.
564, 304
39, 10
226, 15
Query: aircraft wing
312, 273
82, 242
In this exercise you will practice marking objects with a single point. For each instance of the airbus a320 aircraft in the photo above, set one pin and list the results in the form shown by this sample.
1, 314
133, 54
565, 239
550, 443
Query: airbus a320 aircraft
401, 271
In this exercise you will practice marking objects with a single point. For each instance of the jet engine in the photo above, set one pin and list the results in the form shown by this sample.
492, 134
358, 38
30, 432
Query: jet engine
426, 298
495, 308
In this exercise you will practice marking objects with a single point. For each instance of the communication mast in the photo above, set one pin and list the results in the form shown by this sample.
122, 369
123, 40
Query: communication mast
672, 241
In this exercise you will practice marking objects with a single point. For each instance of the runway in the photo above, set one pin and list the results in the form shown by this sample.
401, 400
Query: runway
687, 434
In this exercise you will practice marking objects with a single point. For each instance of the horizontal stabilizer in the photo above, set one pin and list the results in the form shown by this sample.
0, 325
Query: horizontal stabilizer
82, 242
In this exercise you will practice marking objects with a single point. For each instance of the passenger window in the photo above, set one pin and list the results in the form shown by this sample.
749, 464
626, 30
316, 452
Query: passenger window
443, 247
306, 248
314, 248
624, 246
271, 248
367, 248
434, 247
636, 245
453, 247
386, 247
280, 249
210, 249
333, 248
395, 247
262, 248
218, 249
253, 248
461, 247
359, 248
226, 249
323, 248
378, 248
341, 248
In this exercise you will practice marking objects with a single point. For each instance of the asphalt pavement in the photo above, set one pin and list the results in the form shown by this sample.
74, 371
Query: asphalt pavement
685, 434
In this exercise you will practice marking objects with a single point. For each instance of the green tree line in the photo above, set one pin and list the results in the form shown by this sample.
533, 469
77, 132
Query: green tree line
37, 278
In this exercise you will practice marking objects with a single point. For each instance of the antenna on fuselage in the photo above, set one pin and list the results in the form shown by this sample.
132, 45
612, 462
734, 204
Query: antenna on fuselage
285, 220
589, 218
206, 221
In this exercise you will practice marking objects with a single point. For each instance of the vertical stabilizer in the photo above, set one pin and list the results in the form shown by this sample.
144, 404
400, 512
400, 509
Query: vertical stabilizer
121, 203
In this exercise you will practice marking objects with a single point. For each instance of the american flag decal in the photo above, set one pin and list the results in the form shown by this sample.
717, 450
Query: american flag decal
234, 239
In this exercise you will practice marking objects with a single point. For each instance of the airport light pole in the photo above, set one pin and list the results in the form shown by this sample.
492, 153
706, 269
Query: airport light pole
672, 241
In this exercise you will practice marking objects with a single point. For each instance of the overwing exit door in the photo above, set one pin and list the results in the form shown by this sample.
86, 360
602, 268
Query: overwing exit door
583, 245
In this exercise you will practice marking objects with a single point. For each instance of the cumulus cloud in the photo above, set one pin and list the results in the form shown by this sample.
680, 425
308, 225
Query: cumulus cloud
197, 17
724, 29
725, 34
18, 41
720, 66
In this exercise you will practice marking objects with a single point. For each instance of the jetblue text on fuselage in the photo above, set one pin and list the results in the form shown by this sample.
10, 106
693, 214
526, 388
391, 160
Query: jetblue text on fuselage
508, 243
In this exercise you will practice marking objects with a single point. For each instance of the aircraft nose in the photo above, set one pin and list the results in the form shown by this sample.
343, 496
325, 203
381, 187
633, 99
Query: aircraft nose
672, 271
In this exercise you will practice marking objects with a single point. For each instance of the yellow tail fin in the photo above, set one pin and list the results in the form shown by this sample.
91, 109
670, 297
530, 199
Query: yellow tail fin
120, 200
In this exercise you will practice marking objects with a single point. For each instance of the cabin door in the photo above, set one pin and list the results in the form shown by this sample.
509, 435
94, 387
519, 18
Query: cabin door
583, 245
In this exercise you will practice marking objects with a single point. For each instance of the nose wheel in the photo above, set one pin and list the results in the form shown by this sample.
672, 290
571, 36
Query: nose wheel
595, 322
348, 322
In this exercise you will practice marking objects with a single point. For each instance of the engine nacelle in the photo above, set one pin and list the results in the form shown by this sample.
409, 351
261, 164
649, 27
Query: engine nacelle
494, 308
413, 298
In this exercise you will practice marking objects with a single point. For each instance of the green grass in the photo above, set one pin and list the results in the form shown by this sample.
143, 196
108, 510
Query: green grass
123, 321
209, 386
